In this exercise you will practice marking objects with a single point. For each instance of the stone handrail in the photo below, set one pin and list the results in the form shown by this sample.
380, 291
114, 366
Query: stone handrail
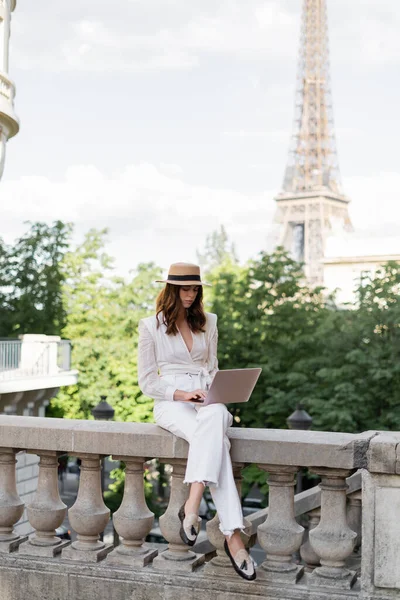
334, 457
270, 446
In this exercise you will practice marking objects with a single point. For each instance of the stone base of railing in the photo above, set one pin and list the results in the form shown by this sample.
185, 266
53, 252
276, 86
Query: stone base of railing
135, 558
168, 561
83, 555
29, 549
49, 579
342, 582
291, 575
12, 545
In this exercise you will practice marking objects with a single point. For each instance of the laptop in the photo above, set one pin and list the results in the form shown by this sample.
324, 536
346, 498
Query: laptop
232, 386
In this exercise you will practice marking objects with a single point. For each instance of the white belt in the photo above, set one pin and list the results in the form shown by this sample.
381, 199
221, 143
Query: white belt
176, 369
189, 370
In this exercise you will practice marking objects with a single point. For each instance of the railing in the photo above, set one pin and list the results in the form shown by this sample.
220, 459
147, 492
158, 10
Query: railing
334, 457
40, 356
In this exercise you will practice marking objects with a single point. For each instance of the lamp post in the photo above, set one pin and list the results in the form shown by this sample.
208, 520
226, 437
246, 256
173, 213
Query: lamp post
103, 412
301, 420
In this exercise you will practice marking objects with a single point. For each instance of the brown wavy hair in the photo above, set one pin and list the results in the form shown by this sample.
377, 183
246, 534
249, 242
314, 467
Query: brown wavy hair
169, 303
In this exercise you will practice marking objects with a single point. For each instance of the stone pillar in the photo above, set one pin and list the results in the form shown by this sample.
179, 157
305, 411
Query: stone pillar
2, 17
333, 540
9, 124
221, 563
11, 506
178, 556
6, 35
3, 141
307, 554
89, 515
133, 520
46, 512
354, 515
280, 535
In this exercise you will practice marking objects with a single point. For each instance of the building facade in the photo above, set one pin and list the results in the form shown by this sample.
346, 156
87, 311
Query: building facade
9, 123
32, 370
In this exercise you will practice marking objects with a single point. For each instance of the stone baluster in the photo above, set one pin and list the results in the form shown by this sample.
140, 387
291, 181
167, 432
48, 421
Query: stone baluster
89, 515
307, 554
354, 515
46, 512
332, 539
280, 535
11, 506
133, 520
221, 561
178, 556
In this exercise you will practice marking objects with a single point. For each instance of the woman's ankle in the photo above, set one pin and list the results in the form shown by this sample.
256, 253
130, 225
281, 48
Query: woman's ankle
235, 542
191, 508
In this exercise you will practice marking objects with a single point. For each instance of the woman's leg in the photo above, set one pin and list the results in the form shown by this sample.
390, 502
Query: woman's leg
210, 443
208, 462
180, 419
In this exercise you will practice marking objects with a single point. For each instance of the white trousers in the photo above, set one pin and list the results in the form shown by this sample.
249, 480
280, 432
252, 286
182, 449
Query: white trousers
209, 461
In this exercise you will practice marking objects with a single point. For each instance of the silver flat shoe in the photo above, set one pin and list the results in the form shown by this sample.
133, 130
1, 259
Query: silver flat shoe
190, 526
242, 563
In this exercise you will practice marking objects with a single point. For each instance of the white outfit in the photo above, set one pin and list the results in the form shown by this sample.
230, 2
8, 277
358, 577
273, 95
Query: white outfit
165, 365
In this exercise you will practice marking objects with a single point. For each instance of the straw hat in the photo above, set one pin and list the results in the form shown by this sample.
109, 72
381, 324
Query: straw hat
183, 274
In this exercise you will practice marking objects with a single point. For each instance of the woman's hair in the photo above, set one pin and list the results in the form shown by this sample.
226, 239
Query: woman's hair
169, 303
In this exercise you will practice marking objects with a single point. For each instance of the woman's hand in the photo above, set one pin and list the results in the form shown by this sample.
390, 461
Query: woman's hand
196, 396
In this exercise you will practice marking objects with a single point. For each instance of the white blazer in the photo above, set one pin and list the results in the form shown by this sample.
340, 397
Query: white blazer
165, 363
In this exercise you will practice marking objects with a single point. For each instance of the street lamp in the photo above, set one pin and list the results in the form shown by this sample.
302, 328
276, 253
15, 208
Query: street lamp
103, 412
301, 420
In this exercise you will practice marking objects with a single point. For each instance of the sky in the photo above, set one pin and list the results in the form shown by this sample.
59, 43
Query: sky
163, 119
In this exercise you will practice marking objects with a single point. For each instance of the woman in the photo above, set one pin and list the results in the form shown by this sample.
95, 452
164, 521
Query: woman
177, 363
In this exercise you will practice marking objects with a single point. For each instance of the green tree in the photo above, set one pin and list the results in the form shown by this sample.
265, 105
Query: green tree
357, 384
217, 251
31, 279
103, 312
342, 364
267, 317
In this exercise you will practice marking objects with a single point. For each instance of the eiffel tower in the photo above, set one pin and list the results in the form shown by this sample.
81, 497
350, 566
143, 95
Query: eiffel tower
311, 202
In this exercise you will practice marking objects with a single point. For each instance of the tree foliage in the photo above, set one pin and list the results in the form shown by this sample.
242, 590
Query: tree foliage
31, 279
103, 314
217, 250
342, 364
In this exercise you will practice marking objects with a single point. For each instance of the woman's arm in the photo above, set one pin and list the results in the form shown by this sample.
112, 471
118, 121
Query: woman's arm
149, 381
212, 359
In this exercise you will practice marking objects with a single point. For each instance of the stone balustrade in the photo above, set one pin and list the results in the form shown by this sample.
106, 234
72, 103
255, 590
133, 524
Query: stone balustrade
43, 566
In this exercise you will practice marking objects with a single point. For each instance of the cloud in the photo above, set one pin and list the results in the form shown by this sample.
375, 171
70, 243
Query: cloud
368, 37
375, 202
149, 34
152, 213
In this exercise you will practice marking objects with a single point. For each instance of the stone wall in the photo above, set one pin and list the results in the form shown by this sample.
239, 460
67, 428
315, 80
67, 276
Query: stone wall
48, 568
